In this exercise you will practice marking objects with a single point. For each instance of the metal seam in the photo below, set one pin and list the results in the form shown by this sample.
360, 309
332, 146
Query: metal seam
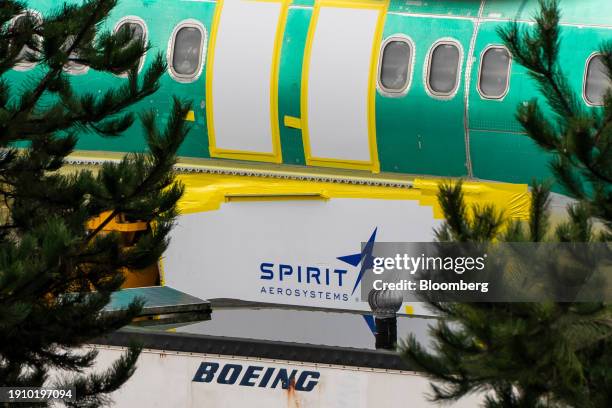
263, 174
493, 19
466, 105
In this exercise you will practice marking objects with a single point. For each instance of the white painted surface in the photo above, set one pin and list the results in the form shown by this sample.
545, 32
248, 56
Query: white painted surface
218, 254
166, 380
244, 53
338, 83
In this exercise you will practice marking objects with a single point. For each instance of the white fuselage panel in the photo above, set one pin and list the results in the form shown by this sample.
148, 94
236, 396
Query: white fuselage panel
243, 63
338, 83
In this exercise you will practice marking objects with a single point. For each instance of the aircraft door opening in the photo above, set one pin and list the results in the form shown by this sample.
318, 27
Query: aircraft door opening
339, 84
242, 79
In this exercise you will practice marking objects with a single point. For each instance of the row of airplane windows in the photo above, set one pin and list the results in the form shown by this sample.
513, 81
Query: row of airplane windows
185, 48
443, 67
443, 64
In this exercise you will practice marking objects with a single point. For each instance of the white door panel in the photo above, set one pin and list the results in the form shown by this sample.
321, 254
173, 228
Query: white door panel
338, 83
241, 81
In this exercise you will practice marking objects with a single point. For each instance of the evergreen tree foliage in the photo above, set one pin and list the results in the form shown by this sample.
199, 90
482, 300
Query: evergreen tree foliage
580, 138
56, 275
547, 354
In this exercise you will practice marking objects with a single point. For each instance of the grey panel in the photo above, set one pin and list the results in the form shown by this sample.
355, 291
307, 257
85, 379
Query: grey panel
283, 332
228, 346
329, 328
157, 300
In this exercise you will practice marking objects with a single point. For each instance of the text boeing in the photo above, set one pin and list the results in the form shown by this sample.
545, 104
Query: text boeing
256, 376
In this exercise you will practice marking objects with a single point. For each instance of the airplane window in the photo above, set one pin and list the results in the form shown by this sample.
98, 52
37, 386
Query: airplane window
187, 50
494, 72
443, 72
73, 67
137, 29
596, 82
395, 66
23, 64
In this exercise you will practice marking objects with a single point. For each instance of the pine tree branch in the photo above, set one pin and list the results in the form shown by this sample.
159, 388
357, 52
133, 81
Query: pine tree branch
25, 107
46, 286
92, 234
93, 389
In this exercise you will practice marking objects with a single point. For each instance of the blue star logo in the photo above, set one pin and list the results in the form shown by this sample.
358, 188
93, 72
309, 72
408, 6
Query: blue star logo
364, 257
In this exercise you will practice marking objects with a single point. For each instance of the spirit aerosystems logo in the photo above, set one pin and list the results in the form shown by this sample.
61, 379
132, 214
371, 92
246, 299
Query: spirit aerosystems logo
289, 279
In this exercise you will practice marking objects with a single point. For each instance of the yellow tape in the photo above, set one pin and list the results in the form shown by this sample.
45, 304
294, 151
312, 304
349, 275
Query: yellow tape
514, 199
378, 34
206, 192
354, 4
274, 197
292, 122
190, 117
160, 266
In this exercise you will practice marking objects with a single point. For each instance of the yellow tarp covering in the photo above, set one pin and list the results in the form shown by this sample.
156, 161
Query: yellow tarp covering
206, 192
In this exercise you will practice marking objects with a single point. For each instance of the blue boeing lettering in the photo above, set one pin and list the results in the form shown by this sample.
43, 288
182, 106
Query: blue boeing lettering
251, 376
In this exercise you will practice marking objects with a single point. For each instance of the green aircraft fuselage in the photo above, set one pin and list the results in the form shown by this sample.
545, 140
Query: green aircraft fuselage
415, 131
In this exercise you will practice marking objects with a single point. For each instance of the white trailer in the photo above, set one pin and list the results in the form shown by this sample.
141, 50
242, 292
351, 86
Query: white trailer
166, 378
303, 368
